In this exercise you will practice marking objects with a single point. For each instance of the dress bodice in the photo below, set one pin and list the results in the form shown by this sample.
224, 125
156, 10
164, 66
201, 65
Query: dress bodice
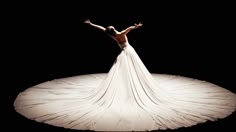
123, 44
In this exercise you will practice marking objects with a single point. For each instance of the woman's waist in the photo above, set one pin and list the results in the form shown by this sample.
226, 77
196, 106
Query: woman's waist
122, 45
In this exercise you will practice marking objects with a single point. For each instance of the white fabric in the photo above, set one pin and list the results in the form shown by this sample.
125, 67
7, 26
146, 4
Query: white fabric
128, 98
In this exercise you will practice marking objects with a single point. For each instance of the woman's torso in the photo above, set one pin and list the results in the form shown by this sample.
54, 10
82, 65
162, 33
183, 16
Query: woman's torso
121, 40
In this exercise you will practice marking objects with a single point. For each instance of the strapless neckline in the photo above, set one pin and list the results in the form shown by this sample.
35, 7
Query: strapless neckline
123, 45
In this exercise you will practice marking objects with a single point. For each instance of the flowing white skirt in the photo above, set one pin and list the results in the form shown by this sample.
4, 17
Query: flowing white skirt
128, 98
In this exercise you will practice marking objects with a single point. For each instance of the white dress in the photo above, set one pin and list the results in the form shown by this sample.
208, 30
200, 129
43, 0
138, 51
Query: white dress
127, 98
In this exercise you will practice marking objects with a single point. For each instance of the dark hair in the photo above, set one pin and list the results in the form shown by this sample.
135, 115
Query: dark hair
110, 31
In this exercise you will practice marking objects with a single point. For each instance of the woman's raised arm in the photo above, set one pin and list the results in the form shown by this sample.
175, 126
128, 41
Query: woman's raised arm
95, 25
131, 28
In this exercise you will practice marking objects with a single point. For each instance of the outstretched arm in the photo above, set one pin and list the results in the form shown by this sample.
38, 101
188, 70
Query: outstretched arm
131, 28
95, 25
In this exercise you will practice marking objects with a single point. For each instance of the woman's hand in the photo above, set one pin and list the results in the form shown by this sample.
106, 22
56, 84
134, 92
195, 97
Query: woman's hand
138, 25
87, 22
94, 25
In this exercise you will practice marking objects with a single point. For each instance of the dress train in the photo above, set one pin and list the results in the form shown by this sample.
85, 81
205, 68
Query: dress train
127, 98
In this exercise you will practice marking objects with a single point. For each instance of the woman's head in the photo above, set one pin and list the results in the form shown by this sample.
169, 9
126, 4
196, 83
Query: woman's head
110, 30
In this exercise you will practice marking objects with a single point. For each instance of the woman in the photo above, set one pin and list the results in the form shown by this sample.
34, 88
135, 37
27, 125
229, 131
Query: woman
119, 37
127, 98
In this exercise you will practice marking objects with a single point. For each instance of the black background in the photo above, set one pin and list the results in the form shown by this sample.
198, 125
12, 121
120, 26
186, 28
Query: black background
45, 41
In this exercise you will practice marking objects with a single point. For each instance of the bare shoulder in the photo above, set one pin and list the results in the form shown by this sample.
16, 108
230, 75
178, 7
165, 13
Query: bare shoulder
121, 38
120, 35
